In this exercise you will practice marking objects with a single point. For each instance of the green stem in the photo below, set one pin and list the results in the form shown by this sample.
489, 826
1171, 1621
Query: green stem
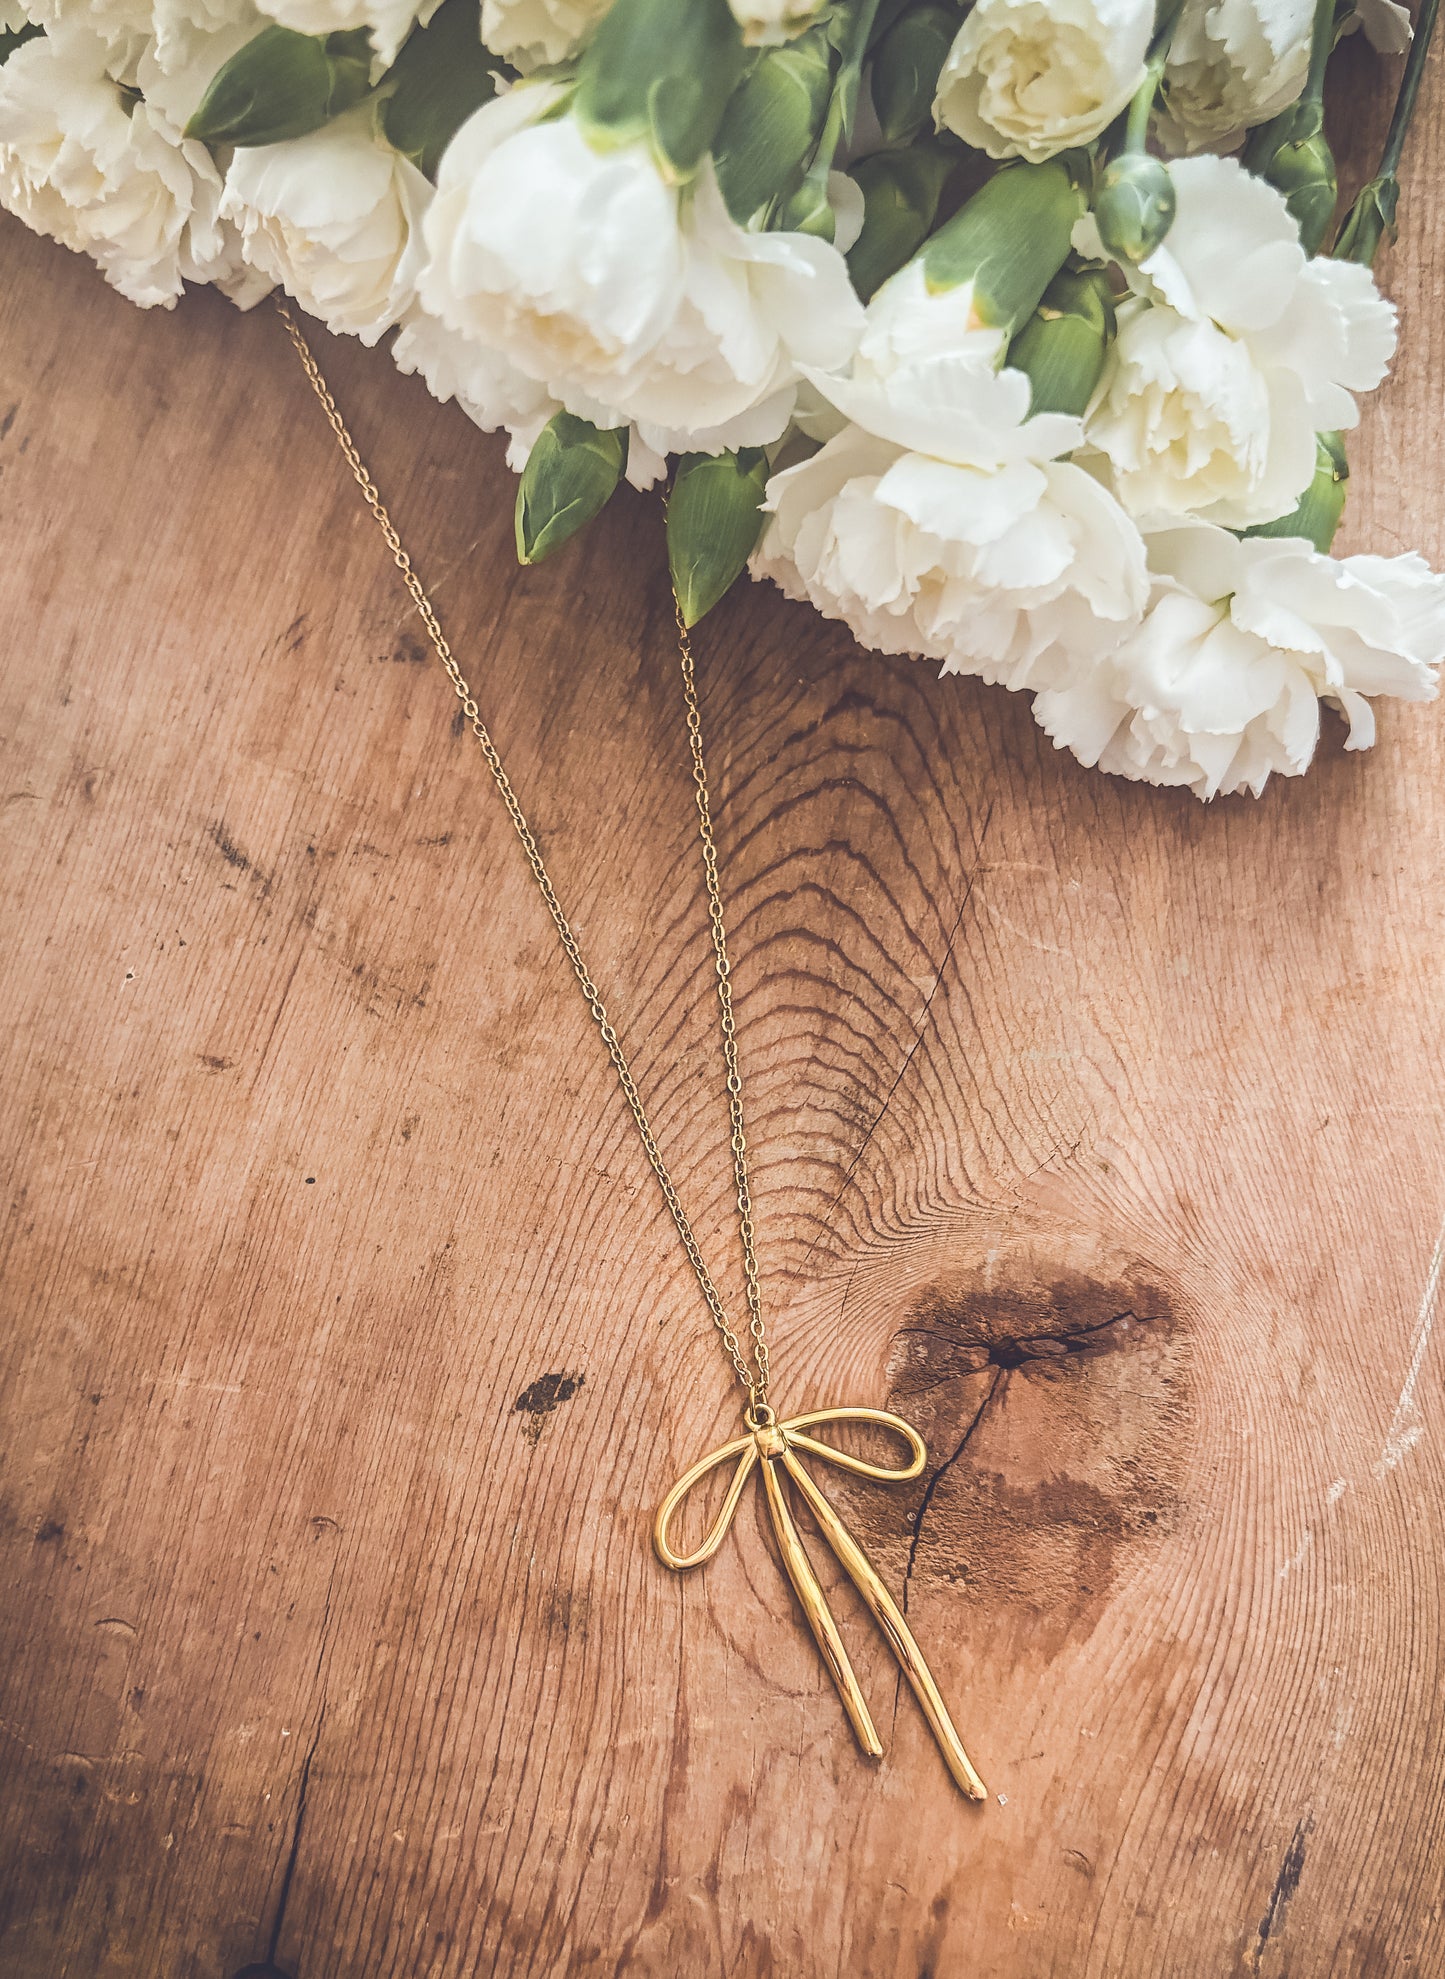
1136, 130
1409, 90
1322, 44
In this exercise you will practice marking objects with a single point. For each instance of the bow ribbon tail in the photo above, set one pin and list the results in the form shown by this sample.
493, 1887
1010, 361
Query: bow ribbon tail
889, 1616
815, 1607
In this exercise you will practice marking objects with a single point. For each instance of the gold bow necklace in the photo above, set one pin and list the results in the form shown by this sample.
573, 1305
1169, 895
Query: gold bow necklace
773, 1448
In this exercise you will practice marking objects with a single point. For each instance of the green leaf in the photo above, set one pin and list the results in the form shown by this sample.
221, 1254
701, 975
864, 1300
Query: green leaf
283, 85
660, 70
901, 191
441, 76
569, 477
714, 519
1063, 345
1316, 516
771, 123
1009, 240
904, 76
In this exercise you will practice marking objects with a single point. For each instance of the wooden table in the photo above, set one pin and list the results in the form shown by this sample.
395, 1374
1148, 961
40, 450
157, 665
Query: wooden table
348, 1349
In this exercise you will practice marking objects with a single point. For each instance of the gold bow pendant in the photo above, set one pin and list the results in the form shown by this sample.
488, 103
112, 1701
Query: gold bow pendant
777, 1445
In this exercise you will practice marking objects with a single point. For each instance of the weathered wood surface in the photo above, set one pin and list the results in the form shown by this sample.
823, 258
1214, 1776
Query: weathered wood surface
1100, 1130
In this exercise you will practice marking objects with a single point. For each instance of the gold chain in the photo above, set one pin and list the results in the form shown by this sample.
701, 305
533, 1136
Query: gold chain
755, 1378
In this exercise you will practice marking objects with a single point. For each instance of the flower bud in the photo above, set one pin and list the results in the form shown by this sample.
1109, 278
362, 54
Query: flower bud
1134, 207
1316, 515
283, 85
901, 191
1292, 154
570, 473
1369, 221
808, 209
714, 519
1009, 240
442, 74
660, 71
1063, 345
771, 122
906, 67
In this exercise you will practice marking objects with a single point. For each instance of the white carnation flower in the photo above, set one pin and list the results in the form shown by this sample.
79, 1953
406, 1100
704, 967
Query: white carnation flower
126, 189
390, 21
768, 23
492, 392
1235, 351
164, 33
125, 25
1236, 63
1026, 78
487, 386
1232, 63
939, 522
335, 217
631, 300
174, 75
1220, 686
530, 33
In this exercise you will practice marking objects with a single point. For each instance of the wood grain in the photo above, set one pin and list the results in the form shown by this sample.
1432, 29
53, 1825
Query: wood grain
348, 1350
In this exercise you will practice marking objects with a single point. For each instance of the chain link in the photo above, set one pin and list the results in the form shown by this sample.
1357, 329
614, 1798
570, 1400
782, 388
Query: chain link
754, 1378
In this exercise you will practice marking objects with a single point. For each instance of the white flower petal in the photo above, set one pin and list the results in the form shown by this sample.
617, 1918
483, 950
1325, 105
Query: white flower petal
1219, 687
631, 301
1025, 78
336, 218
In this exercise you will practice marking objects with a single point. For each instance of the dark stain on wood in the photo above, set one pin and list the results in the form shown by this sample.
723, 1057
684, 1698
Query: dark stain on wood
1056, 1411
231, 852
540, 1397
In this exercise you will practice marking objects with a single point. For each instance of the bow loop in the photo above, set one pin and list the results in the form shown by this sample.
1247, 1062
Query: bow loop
745, 1449
793, 1430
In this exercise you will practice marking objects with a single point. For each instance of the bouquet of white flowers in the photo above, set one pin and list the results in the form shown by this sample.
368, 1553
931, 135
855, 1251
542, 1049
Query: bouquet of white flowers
896, 292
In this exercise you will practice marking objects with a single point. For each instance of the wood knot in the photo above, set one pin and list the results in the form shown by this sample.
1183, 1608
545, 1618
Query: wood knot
1056, 1406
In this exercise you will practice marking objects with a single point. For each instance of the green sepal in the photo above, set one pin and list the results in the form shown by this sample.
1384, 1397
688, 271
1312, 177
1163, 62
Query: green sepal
1370, 221
569, 477
1292, 154
905, 70
1317, 513
901, 191
1134, 206
771, 123
283, 85
660, 71
1063, 345
1009, 240
12, 38
714, 519
807, 209
441, 76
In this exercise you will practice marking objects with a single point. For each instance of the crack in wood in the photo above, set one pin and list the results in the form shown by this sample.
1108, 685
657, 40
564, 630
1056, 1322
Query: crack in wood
1285, 1885
293, 1852
1000, 1374
289, 1873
